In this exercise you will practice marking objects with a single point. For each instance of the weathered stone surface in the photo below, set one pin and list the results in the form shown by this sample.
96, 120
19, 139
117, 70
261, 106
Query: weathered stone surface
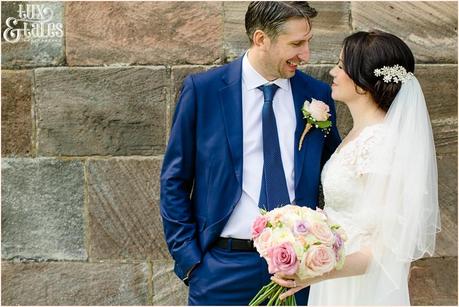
329, 27
429, 28
433, 281
445, 135
124, 219
73, 283
42, 209
319, 71
439, 84
235, 39
446, 244
38, 51
101, 111
16, 112
143, 32
168, 289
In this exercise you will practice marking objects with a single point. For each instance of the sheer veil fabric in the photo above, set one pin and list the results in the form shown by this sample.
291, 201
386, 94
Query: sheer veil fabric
400, 199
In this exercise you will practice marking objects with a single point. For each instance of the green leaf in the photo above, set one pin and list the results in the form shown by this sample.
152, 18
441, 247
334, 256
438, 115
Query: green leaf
305, 113
324, 124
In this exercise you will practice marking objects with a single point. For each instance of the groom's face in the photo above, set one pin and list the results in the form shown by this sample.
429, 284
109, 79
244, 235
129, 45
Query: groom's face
289, 49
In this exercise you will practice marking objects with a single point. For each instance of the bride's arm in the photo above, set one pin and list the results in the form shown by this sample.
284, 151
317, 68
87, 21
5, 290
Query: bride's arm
354, 264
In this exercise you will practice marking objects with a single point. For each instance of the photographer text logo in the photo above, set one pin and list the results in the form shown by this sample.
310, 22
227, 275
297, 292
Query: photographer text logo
36, 24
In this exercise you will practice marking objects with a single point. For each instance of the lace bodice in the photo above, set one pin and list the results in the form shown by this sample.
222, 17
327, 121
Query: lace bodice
343, 181
342, 175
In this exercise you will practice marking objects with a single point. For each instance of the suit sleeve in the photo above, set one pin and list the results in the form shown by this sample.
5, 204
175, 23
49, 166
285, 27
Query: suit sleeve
333, 139
177, 177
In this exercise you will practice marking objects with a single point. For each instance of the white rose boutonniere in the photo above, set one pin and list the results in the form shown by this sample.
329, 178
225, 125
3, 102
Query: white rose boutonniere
317, 115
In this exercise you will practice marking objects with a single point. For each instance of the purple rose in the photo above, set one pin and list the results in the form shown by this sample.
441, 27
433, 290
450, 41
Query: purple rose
338, 244
301, 228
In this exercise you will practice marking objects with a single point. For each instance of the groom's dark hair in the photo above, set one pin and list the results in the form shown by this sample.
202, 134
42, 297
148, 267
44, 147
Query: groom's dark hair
270, 16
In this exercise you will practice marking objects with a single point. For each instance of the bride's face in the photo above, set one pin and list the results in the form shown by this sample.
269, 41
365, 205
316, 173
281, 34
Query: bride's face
343, 88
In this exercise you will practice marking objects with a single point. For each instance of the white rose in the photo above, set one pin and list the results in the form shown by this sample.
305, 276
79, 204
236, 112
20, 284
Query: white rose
318, 109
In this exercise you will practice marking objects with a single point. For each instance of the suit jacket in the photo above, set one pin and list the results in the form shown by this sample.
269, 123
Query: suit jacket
201, 177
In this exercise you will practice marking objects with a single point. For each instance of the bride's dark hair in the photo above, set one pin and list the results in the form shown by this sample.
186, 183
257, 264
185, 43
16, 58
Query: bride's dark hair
363, 52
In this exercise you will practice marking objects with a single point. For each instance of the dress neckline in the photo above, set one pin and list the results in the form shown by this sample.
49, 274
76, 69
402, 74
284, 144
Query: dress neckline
340, 148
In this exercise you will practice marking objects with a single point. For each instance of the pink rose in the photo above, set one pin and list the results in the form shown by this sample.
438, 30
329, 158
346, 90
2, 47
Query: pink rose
282, 258
263, 241
258, 225
319, 259
319, 110
323, 233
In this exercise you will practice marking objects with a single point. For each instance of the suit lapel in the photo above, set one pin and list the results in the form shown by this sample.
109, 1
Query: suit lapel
231, 104
299, 96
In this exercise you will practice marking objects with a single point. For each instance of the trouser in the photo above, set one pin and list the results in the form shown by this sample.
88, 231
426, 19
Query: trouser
231, 277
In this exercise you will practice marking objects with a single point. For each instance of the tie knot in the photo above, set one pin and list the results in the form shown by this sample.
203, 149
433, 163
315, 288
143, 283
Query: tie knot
268, 91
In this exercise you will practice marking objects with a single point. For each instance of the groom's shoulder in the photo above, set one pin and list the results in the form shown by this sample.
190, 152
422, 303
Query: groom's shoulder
311, 82
210, 75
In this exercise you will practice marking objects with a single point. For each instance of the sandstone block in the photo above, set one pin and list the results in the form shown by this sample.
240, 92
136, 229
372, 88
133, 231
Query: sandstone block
433, 281
143, 33
37, 51
235, 39
124, 219
74, 283
446, 244
429, 28
42, 209
16, 112
168, 289
329, 27
439, 84
101, 111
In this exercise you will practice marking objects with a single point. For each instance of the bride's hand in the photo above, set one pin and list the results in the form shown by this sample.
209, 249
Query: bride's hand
291, 281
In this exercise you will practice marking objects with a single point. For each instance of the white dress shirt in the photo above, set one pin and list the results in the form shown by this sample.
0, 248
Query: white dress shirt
246, 210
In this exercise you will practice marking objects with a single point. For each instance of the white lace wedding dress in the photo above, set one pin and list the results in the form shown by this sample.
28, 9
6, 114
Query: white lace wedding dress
343, 179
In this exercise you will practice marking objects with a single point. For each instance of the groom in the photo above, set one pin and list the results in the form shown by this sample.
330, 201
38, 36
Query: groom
234, 147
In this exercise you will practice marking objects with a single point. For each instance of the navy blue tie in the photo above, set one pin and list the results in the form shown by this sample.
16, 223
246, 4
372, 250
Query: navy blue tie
273, 185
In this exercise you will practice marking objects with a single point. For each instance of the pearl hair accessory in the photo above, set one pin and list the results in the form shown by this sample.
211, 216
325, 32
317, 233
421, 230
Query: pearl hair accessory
394, 74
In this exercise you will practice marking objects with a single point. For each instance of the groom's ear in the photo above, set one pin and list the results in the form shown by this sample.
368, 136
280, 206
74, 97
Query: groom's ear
260, 39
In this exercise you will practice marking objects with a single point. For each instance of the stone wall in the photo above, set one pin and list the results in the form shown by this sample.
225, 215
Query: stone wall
86, 118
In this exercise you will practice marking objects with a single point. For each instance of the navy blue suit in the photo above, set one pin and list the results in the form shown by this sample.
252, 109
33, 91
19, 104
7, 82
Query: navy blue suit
201, 178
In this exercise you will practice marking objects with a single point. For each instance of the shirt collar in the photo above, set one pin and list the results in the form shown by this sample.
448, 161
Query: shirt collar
252, 79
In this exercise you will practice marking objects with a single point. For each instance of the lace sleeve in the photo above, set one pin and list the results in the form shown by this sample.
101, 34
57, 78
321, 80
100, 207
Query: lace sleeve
366, 152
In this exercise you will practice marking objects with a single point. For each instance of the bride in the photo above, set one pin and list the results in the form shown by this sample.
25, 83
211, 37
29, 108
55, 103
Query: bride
380, 185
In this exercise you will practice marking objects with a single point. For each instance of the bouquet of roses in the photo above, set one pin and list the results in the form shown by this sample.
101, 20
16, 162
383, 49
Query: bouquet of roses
296, 240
